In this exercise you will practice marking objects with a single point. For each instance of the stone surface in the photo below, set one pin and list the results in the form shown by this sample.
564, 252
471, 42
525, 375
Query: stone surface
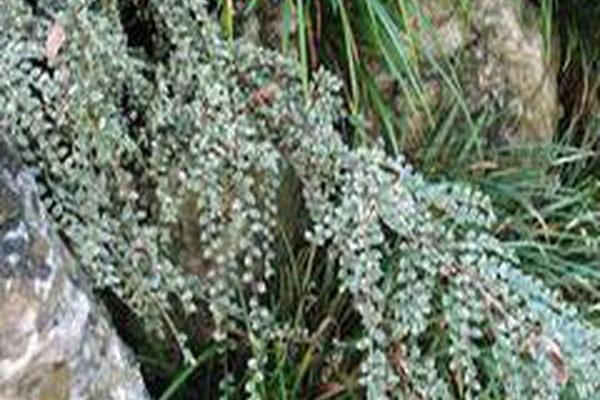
271, 23
56, 343
504, 66
516, 62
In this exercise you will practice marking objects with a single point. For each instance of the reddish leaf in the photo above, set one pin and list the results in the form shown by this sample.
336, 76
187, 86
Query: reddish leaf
560, 369
56, 38
543, 346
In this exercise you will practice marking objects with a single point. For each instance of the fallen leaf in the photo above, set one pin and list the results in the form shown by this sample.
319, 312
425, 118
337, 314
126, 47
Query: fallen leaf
56, 38
265, 95
560, 369
538, 346
329, 390
398, 361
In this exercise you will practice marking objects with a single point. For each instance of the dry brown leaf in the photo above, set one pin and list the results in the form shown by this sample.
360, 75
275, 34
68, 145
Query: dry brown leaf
398, 360
329, 390
264, 95
560, 369
54, 41
543, 346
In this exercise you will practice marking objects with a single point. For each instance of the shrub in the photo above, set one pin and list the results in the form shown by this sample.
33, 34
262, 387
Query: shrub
163, 151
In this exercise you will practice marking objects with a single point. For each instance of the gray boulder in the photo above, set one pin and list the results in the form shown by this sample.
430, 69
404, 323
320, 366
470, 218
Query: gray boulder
55, 341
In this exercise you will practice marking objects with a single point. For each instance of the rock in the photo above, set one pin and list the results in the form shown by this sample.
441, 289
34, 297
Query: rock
516, 63
272, 24
450, 31
503, 66
55, 341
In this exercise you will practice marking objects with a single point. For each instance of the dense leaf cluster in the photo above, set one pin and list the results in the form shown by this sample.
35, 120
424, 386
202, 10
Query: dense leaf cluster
163, 165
